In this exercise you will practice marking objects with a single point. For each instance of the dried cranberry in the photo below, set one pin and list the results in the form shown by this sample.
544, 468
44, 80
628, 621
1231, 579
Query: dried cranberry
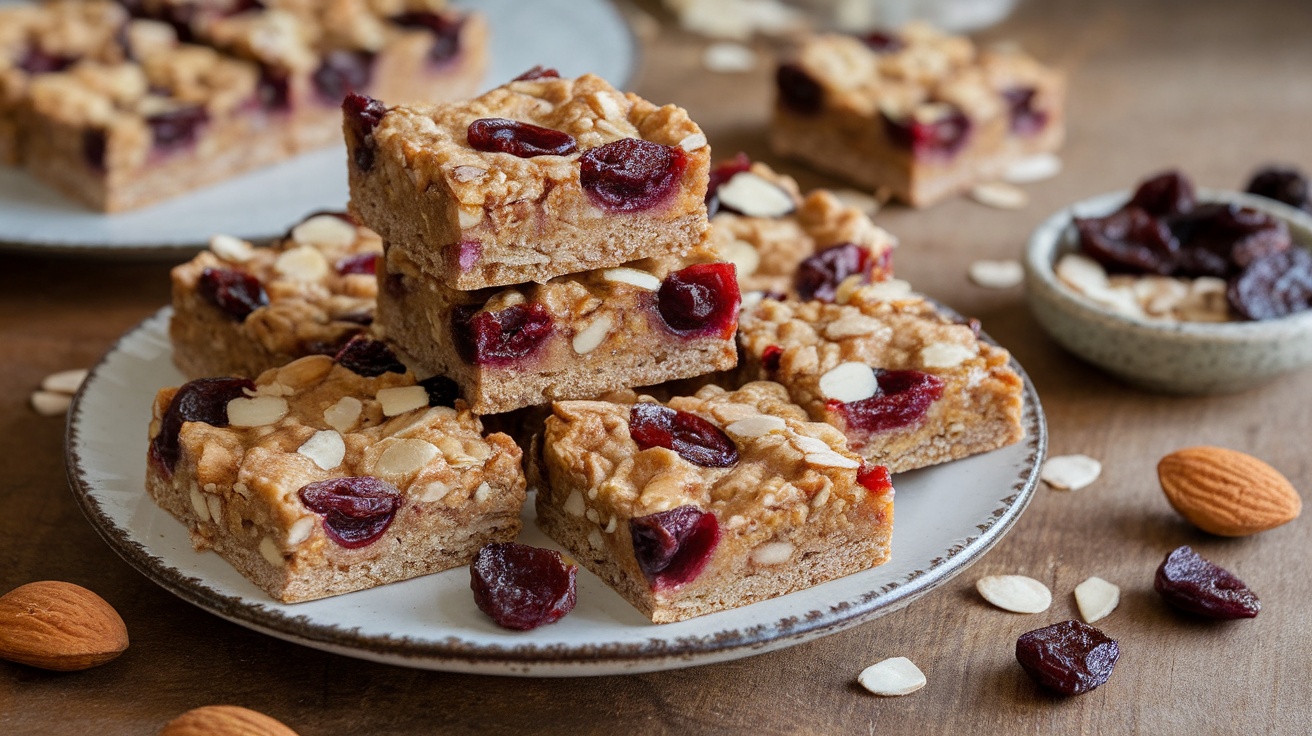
903, 399
819, 275
700, 300
468, 253
499, 338
177, 128
798, 90
498, 135
1069, 658
1288, 185
37, 61
874, 478
771, 356
274, 89
693, 438
720, 174
522, 587
1025, 119
362, 263
537, 72
883, 42
95, 143
445, 30
631, 174
936, 139
369, 358
1167, 194
343, 72
442, 391
235, 293
672, 547
1129, 239
1191, 583
203, 400
1273, 286
362, 115
356, 511
1221, 239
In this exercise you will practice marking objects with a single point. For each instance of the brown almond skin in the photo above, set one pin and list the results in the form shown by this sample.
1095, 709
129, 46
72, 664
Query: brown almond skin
59, 626
224, 720
1225, 492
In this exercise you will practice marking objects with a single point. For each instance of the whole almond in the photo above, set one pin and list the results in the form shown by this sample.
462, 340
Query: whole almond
1227, 492
224, 720
59, 626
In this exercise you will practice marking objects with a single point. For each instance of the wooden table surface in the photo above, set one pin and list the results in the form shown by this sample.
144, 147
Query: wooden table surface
1214, 87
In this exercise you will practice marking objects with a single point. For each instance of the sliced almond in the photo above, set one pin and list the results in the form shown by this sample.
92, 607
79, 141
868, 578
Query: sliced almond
325, 231
892, 677
64, 382
754, 196
464, 174
945, 355
811, 444
435, 491
773, 553
849, 382
591, 337
343, 415
887, 291
1000, 195
1002, 274
304, 263
1081, 273
728, 57
862, 201
403, 457
230, 249
256, 412
300, 530
830, 460
1070, 472
575, 505
270, 552
399, 400
1096, 598
758, 425
325, 449
50, 404
853, 325
632, 277
743, 255
1034, 168
693, 142
1015, 593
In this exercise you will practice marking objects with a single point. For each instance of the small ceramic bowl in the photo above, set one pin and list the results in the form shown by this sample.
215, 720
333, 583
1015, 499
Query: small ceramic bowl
1167, 356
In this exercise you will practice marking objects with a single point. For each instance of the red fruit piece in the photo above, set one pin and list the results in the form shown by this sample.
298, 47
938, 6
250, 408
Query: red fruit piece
721, 173
874, 478
1191, 583
1025, 119
935, 139
629, 174
203, 400
499, 338
362, 114
903, 399
498, 135
36, 60
672, 547
1167, 194
798, 90
341, 73
883, 42
522, 587
445, 30
356, 511
368, 358
363, 263
700, 300
1069, 658
1222, 239
1283, 184
693, 438
1273, 286
442, 391
177, 128
537, 72
819, 275
771, 356
1129, 239
236, 293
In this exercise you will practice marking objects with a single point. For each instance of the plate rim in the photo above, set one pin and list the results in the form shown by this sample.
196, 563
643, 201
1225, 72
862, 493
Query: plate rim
463, 655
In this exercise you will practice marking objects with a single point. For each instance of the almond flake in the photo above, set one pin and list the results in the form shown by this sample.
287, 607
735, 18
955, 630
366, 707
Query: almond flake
435, 491
469, 217
1081, 273
758, 425
464, 174
574, 504
811, 444
256, 412
867, 204
482, 493
1001, 195
300, 530
403, 457
889, 290
50, 404
590, 337
343, 415
945, 355
304, 263
892, 677
325, 449
1070, 472
694, 142
633, 277
215, 506
727, 57
230, 249
744, 257
1096, 599
1015, 593
1002, 274
325, 231
1034, 168
831, 460
773, 553
198, 505
849, 382
853, 325
399, 400
269, 550
64, 382
754, 196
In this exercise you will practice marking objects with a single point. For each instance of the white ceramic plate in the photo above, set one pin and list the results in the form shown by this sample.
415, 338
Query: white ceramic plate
946, 518
574, 36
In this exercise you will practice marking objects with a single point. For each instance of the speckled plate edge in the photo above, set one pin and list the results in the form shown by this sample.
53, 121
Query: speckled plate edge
455, 655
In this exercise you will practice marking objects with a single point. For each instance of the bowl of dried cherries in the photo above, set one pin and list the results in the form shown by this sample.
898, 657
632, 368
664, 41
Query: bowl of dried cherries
1177, 289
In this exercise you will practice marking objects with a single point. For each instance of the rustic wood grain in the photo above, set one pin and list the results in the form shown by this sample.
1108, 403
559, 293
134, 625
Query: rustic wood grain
1215, 87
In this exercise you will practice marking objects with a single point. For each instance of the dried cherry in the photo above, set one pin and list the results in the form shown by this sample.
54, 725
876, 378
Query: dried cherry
702, 299
1026, 120
1191, 583
203, 400
1129, 239
819, 275
176, 128
499, 135
883, 42
343, 72
631, 174
442, 391
771, 356
1283, 184
798, 90
1221, 239
368, 357
499, 338
445, 29
1069, 658
235, 293
904, 398
1167, 194
874, 478
693, 438
940, 138
362, 114
36, 60
522, 587
537, 72
362, 263
672, 547
356, 511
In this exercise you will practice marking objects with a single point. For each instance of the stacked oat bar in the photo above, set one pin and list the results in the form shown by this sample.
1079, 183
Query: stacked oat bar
545, 241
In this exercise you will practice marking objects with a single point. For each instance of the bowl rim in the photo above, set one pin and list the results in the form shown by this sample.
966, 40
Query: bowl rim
1048, 238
